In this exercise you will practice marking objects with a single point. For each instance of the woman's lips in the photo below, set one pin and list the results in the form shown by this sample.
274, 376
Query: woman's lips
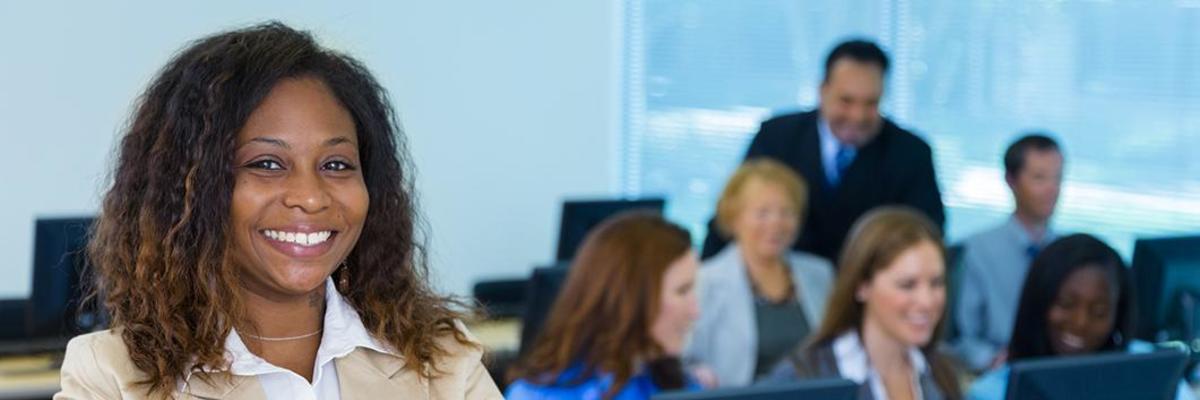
299, 244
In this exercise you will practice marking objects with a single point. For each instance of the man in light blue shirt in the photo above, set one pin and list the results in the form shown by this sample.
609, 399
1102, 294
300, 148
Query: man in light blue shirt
995, 261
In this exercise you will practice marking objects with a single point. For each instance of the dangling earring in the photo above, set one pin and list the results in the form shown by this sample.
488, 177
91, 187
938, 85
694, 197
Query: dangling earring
343, 281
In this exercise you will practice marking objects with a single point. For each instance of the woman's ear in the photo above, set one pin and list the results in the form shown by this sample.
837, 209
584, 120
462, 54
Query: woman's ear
863, 292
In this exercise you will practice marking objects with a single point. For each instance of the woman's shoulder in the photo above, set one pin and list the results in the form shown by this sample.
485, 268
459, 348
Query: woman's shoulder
104, 348
523, 389
562, 387
809, 263
812, 273
459, 346
98, 363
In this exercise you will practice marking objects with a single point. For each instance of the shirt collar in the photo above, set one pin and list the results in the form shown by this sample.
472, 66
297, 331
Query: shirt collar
853, 363
1017, 230
829, 143
342, 333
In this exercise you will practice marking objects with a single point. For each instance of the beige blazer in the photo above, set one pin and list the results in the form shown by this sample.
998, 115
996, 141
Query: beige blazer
97, 366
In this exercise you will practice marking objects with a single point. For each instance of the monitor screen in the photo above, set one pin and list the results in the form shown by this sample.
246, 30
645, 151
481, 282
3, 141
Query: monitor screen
1166, 273
1098, 377
816, 389
580, 216
59, 256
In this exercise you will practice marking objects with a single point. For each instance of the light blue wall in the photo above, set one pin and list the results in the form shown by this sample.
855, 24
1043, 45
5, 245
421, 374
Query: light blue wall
508, 107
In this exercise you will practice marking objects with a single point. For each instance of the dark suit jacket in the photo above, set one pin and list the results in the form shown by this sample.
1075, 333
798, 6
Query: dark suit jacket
894, 168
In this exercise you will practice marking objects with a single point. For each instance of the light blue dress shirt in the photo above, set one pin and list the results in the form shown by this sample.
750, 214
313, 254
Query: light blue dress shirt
994, 263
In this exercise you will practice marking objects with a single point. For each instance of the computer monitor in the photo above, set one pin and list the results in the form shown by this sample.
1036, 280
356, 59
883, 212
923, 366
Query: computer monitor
1166, 273
544, 285
816, 389
12, 319
1099, 377
59, 257
580, 216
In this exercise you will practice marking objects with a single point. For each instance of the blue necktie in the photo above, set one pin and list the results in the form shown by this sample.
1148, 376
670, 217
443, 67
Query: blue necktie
1032, 251
841, 160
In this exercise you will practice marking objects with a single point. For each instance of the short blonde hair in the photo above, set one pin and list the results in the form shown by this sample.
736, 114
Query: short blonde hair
769, 171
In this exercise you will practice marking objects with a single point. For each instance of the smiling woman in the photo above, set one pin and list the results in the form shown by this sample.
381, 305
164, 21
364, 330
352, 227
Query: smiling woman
880, 327
258, 167
1077, 299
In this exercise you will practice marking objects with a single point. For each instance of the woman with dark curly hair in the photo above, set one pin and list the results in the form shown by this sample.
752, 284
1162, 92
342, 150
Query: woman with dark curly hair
257, 170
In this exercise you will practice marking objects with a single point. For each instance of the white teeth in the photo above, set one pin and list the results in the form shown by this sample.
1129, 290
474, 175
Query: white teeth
300, 238
1072, 340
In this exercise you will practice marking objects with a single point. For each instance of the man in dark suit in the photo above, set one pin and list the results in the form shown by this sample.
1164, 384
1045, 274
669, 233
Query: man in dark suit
852, 158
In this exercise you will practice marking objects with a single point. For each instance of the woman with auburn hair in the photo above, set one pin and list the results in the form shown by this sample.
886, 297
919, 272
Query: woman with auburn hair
617, 327
258, 170
880, 328
759, 296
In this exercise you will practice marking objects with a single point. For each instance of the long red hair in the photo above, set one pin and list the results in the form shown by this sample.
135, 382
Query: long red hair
602, 317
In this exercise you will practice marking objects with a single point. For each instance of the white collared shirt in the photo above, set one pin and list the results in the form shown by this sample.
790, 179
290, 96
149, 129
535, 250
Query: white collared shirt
853, 364
343, 332
829, 149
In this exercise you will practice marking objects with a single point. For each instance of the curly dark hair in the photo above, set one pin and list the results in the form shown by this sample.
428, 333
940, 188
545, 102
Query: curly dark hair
161, 248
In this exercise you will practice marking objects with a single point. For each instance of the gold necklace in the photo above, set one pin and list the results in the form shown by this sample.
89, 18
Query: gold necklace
282, 339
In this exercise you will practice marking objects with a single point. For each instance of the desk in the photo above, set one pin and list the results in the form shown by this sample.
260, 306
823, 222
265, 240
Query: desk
28, 377
497, 335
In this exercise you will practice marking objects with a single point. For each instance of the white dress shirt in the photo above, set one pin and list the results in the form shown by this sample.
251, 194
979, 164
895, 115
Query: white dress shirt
830, 146
343, 332
853, 364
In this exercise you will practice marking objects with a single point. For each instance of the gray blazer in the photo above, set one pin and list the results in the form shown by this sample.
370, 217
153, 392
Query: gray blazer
725, 338
820, 363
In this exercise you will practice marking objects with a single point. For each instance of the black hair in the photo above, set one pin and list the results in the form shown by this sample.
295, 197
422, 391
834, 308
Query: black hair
1046, 275
1014, 157
859, 50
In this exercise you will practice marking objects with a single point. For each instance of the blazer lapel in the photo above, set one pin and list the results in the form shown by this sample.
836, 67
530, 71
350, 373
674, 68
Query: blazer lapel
224, 386
863, 171
810, 157
743, 331
367, 374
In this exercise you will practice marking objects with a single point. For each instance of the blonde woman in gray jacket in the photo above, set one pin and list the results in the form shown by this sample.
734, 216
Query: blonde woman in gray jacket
759, 299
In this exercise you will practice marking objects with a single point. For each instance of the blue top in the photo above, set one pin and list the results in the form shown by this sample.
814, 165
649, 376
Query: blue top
639, 387
994, 263
994, 385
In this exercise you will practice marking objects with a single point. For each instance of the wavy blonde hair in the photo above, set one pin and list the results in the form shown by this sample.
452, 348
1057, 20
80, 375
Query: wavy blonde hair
768, 171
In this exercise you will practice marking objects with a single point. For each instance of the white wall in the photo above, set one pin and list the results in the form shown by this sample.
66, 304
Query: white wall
508, 107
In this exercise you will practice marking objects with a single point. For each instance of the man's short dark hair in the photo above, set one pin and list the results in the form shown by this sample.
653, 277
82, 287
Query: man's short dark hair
1014, 157
859, 50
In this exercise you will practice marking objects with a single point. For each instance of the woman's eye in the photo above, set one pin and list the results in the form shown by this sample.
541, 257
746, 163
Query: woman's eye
339, 166
271, 165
